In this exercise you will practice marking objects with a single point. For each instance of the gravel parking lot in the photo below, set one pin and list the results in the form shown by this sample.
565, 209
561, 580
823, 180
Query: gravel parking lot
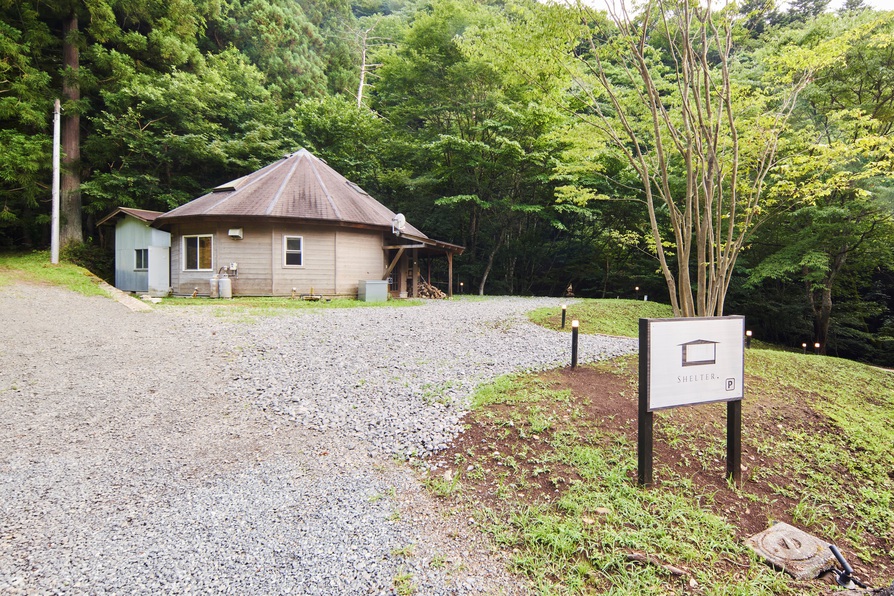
182, 450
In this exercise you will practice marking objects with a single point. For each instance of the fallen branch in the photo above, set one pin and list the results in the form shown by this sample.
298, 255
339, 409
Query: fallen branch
643, 558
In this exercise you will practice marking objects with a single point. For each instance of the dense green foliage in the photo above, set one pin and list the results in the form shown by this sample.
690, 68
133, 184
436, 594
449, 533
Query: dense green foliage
486, 123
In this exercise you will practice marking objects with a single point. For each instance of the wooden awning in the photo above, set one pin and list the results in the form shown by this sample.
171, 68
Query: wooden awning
422, 246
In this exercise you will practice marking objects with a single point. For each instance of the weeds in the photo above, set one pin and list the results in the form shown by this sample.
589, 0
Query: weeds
403, 584
562, 500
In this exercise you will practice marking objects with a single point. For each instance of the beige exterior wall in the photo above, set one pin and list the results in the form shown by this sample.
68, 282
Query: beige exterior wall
334, 259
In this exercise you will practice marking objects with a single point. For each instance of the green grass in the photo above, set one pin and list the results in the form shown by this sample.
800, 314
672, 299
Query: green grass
272, 304
828, 468
579, 543
250, 309
403, 584
35, 267
844, 479
607, 317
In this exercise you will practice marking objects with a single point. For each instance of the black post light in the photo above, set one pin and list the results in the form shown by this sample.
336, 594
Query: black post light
574, 331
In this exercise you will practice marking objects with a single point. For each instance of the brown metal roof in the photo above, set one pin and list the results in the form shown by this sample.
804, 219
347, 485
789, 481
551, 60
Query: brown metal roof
299, 186
141, 214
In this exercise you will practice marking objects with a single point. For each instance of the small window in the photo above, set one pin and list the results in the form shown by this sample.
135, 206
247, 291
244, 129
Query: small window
293, 251
141, 259
197, 253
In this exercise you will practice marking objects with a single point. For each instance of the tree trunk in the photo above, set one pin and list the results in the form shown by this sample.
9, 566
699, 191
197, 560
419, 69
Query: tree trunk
605, 277
490, 262
363, 51
821, 304
70, 186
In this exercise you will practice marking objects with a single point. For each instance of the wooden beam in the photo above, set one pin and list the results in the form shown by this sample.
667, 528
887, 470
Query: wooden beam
402, 277
450, 275
388, 271
403, 246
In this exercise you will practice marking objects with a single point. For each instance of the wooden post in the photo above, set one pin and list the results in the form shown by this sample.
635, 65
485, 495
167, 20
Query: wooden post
402, 277
415, 273
449, 274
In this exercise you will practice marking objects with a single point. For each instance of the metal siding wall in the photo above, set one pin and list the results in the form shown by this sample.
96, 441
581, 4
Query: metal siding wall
130, 234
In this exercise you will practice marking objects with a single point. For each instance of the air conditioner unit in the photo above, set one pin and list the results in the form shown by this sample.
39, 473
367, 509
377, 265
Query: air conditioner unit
236, 233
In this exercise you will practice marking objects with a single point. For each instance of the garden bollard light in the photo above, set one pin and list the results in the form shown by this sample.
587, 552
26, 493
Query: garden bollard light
574, 326
748, 340
564, 307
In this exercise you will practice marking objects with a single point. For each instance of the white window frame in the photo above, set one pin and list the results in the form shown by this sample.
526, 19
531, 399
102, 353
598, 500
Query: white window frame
286, 251
183, 251
136, 259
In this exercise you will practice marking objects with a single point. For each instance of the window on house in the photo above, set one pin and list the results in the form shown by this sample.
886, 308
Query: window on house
293, 251
197, 253
141, 259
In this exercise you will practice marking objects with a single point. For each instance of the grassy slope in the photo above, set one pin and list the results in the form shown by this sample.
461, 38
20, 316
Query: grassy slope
35, 267
836, 483
607, 317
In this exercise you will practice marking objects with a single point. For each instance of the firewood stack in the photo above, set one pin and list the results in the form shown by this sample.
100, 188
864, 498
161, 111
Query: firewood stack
426, 290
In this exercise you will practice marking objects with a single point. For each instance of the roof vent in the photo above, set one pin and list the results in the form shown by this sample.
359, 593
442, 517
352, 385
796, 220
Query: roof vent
398, 223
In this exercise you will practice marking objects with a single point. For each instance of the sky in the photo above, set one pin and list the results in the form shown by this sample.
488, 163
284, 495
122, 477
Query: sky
833, 5
878, 4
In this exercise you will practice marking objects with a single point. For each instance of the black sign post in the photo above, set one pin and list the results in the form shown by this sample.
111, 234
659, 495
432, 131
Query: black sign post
644, 419
700, 363
734, 441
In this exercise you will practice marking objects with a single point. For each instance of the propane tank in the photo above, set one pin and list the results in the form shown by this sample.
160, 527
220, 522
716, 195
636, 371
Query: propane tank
215, 280
226, 287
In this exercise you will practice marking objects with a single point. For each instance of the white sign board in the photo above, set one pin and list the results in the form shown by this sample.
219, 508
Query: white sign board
694, 360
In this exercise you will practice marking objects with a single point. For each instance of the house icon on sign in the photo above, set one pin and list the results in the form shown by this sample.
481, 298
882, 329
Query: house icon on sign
699, 352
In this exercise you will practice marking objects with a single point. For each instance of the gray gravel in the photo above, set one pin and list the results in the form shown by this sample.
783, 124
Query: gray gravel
184, 451
398, 379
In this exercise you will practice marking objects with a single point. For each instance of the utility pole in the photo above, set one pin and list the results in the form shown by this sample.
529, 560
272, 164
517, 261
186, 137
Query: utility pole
54, 240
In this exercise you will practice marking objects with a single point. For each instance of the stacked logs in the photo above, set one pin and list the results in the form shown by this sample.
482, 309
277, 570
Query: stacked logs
426, 290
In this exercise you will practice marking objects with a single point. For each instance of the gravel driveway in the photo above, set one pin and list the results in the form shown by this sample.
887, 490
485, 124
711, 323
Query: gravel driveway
206, 450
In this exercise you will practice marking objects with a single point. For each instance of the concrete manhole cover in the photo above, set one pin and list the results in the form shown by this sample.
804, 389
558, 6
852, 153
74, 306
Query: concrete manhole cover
794, 551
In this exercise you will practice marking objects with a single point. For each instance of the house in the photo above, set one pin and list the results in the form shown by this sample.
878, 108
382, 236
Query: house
141, 252
295, 226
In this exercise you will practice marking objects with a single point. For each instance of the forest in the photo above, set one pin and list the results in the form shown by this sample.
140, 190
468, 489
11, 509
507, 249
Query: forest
731, 159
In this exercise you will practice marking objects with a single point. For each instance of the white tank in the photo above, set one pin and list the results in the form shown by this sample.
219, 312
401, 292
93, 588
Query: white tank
226, 287
215, 280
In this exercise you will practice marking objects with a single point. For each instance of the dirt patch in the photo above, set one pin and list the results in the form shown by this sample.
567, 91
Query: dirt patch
689, 443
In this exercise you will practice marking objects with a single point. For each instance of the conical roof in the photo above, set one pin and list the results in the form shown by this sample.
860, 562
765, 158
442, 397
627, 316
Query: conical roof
299, 186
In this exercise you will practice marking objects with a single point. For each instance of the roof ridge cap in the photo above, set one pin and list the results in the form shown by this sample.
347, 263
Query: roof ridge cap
235, 192
325, 190
282, 186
